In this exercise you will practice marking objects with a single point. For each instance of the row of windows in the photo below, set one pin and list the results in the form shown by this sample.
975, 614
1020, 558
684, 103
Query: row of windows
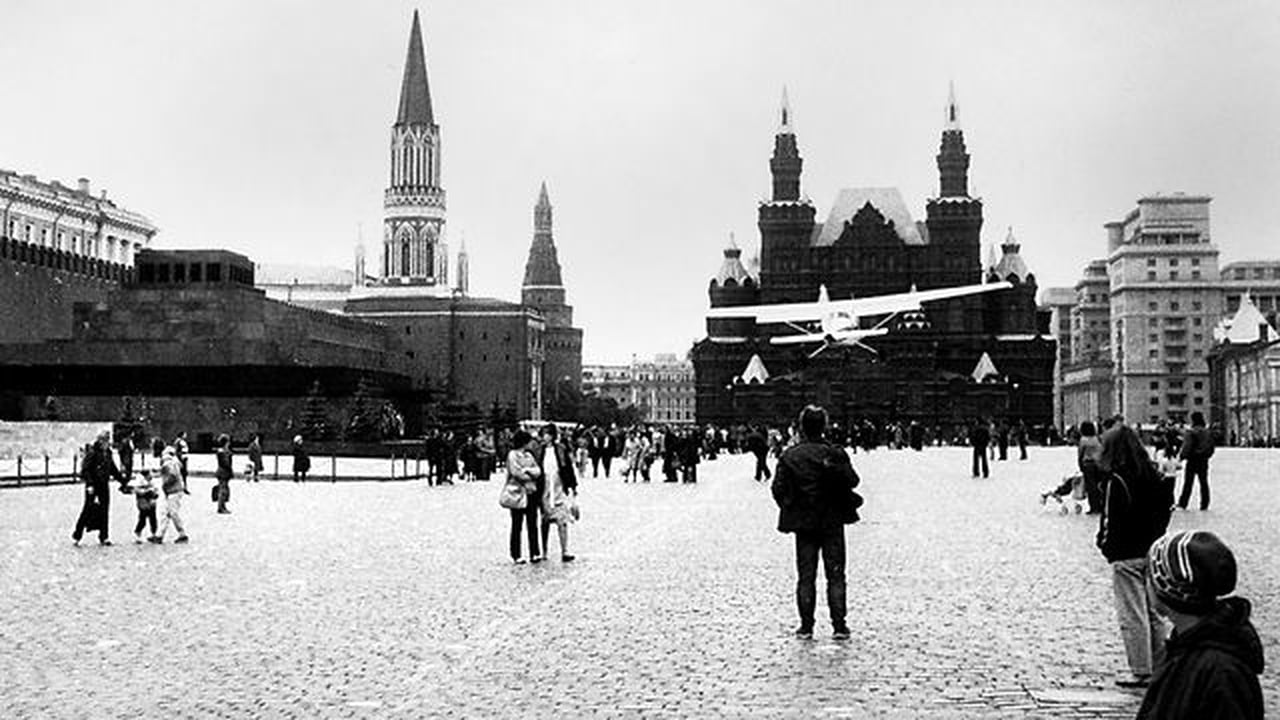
1174, 306
1174, 262
76, 243
1174, 354
1175, 321
1259, 273
1173, 275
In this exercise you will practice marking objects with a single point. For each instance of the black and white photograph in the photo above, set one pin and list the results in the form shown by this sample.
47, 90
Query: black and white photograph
616, 359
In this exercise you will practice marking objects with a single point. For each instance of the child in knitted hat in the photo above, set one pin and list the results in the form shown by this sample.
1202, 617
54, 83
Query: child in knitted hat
1213, 659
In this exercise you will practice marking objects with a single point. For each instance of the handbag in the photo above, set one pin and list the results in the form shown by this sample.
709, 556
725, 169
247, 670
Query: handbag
513, 495
573, 508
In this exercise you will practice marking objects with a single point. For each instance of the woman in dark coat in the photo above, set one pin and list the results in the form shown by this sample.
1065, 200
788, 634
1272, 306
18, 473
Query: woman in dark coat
301, 461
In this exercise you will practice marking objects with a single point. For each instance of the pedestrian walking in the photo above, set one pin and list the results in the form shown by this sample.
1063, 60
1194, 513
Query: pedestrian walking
223, 474
1020, 438
1088, 452
174, 489
523, 468
1197, 448
1214, 657
255, 457
757, 445
145, 495
814, 489
96, 472
126, 450
301, 460
559, 493
1135, 513
979, 438
181, 448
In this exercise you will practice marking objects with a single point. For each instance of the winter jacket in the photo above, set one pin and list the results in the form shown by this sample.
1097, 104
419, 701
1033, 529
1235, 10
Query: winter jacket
98, 469
813, 487
1135, 512
1211, 671
171, 475
979, 436
1197, 445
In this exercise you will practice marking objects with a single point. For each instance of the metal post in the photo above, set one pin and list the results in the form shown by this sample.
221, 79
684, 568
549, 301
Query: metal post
275, 464
46, 468
333, 468
19, 471
417, 466
393, 465
405, 466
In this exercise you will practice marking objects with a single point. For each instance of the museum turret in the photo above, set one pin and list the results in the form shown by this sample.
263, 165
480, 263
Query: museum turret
954, 216
786, 218
733, 286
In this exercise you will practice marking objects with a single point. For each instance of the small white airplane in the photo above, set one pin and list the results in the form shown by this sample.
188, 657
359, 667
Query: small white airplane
838, 320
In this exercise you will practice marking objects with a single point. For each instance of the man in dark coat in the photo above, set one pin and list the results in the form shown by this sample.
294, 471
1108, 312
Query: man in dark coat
979, 438
757, 445
1197, 448
1213, 659
813, 487
97, 471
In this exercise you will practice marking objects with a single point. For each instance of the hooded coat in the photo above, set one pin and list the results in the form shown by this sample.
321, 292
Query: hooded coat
813, 487
1211, 671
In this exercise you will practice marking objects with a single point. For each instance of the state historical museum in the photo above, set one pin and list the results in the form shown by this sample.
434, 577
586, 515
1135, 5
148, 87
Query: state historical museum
987, 355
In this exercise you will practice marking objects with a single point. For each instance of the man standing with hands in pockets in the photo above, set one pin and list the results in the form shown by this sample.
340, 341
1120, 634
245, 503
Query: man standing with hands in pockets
813, 487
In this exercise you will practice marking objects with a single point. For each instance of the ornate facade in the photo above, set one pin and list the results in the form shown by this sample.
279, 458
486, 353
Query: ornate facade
870, 245
414, 250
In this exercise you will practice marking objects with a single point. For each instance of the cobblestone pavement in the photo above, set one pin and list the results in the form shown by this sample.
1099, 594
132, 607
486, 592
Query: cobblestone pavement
397, 600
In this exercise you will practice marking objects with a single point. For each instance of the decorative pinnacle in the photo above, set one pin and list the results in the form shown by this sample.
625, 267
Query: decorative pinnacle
784, 122
953, 109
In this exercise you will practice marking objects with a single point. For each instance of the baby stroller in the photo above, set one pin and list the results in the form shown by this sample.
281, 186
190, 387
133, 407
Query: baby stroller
1069, 496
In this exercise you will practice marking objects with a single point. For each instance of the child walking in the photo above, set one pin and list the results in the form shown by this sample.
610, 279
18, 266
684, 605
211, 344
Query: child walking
145, 494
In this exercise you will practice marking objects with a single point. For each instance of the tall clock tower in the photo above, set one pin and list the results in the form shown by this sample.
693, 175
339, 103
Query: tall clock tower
414, 250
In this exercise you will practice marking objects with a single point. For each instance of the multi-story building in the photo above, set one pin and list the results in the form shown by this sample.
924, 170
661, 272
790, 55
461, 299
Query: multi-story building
1142, 324
869, 244
1058, 303
1245, 377
59, 246
662, 389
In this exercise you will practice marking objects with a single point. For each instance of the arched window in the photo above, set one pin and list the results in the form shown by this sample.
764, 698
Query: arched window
404, 257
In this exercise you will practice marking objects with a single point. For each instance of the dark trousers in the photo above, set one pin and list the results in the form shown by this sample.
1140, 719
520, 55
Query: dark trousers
92, 514
607, 460
828, 542
144, 517
1196, 468
762, 467
529, 517
1022, 450
980, 458
1004, 449
1093, 490
595, 466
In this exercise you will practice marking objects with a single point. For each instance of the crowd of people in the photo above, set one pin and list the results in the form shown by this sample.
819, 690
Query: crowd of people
98, 469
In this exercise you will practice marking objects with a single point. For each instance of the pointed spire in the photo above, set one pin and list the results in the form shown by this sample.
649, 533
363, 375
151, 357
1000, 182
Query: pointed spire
992, 260
415, 95
784, 120
953, 109
464, 267
733, 242
542, 211
1011, 244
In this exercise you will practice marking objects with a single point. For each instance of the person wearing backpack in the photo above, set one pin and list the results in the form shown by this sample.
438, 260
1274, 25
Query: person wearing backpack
1135, 512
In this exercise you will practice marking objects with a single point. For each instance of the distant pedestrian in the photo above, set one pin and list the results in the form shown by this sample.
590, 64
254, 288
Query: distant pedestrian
96, 472
1002, 439
814, 490
1135, 512
1213, 659
559, 492
145, 494
255, 457
979, 438
523, 468
758, 446
1020, 438
301, 461
1197, 448
181, 448
174, 488
126, 457
223, 474
1088, 452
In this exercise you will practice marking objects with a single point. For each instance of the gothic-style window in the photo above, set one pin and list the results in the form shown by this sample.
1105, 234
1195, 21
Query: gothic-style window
404, 257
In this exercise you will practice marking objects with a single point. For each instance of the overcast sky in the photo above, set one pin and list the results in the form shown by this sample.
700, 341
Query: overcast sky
263, 127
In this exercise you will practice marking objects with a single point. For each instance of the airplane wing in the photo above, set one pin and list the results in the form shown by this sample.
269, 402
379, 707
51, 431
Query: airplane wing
909, 301
837, 338
782, 312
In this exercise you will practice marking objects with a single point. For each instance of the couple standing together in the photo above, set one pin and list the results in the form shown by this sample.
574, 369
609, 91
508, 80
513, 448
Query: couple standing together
544, 472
